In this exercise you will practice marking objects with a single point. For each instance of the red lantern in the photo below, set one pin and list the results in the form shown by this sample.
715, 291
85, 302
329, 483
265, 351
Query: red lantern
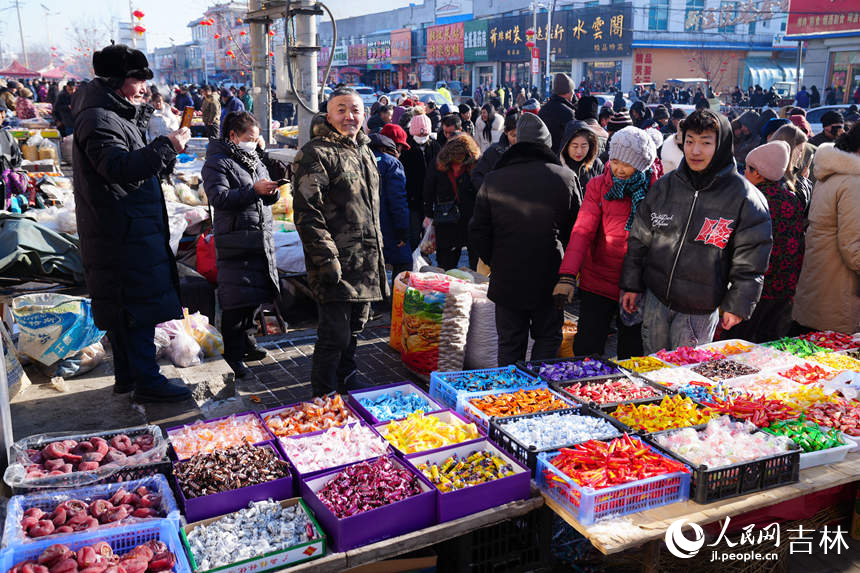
230, 53
238, 20
139, 29
229, 38
271, 32
530, 32
216, 36
138, 14
530, 44
271, 54
243, 33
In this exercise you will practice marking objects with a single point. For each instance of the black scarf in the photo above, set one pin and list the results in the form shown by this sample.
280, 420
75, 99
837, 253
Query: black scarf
249, 161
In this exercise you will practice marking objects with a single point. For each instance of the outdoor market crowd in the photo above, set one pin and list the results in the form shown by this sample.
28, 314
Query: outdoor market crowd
671, 229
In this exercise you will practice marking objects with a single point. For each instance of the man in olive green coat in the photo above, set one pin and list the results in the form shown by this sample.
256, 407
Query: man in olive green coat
336, 210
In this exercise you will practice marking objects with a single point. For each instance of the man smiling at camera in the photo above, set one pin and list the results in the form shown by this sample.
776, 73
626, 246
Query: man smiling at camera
336, 210
699, 243
129, 267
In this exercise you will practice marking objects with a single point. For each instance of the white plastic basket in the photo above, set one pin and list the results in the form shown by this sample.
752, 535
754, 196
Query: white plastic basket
829, 456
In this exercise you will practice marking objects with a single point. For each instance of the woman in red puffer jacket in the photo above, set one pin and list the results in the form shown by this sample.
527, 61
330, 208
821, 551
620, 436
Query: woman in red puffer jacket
598, 243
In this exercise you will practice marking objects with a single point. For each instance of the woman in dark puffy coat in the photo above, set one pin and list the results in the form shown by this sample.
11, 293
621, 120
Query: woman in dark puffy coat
578, 151
238, 188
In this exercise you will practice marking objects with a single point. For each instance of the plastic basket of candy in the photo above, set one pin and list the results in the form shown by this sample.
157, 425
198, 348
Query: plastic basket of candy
391, 402
569, 369
497, 404
610, 391
604, 490
446, 387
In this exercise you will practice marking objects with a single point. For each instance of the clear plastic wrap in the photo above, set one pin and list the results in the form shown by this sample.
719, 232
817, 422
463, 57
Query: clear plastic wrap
13, 533
16, 474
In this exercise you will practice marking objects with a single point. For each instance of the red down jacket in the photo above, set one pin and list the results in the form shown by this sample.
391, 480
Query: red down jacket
598, 241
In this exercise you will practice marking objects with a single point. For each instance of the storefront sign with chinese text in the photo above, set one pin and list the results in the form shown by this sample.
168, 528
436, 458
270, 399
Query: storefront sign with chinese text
445, 44
340, 56
401, 46
357, 55
812, 17
379, 54
475, 41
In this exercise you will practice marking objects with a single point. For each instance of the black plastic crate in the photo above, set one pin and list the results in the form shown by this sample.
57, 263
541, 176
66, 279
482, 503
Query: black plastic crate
517, 545
709, 485
524, 366
661, 390
528, 454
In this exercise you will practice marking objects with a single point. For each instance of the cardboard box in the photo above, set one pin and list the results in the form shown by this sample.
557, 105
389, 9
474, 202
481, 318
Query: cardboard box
270, 561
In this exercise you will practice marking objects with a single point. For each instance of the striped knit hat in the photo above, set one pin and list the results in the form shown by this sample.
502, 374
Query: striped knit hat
619, 120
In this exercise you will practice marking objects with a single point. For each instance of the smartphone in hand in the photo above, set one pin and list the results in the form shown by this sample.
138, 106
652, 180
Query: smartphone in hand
281, 182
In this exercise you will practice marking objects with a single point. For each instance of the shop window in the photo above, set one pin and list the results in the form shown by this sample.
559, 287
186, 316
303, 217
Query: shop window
782, 26
693, 15
658, 15
751, 29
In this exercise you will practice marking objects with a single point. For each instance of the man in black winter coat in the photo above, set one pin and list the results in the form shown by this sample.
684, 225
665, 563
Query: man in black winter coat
62, 110
699, 243
529, 185
559, 109
129, 267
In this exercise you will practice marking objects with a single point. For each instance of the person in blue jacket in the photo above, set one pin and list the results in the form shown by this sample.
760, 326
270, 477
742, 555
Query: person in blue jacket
229, 104
393, 209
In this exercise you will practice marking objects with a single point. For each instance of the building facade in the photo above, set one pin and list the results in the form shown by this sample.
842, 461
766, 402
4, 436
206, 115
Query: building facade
604, 42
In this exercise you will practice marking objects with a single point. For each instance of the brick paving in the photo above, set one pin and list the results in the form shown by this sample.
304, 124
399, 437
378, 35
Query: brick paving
284, 376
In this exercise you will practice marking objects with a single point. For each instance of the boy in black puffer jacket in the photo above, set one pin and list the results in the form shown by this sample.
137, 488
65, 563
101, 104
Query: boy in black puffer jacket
700, 241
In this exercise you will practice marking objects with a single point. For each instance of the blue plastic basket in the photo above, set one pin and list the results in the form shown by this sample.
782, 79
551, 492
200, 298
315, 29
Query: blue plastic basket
443, 390
12, 534
122, 539
588, 505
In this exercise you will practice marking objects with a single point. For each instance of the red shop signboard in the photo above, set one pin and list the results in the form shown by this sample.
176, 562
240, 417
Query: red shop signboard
445, 44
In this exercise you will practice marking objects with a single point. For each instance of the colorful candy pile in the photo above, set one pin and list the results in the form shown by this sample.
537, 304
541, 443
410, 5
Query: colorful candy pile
605, 464
733, 348
461, 472
807, 373
572, 369
226, 470
704, 391
688, 355
554, 430
611, 390
365, 486
334, 447
723, 369
519, 402
837, 361
674, 378
671, 412
763, 385
805, 396
831, 340
810, 436
843, 415
319, 414
722, 443
760, 411
396, 405
481, 381
205, 437
419, 432
642, 364
796, 346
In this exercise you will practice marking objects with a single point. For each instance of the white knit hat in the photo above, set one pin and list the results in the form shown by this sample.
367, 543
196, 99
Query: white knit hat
634, 147
770, 159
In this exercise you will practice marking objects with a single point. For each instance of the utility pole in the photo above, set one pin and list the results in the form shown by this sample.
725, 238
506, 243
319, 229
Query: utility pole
536, 73
261, 89
549, 10
131, 31
21, 32
306, 60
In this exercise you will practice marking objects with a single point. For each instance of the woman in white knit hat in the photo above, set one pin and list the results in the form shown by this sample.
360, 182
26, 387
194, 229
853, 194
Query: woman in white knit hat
766, 168
598, 243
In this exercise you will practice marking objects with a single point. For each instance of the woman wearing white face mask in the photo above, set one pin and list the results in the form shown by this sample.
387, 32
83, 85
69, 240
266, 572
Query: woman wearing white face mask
238, 188
420, 154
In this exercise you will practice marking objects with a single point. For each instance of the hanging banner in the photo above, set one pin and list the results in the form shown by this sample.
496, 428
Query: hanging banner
401, 46
340, 56
357, 54
445, 44
379, 54
475, 41
822, 17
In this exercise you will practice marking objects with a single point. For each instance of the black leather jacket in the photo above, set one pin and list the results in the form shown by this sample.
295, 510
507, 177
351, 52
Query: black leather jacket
699, 250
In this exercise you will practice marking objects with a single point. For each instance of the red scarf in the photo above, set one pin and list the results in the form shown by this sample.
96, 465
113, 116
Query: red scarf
457, 169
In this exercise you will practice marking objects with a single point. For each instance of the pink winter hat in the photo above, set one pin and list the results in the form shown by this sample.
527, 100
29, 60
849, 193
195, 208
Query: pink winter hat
419, 125
770, 159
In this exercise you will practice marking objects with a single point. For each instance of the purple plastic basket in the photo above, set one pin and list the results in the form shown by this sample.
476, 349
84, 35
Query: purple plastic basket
299, 475
445, 416
206, 506
455, 504
269, 435
405, 516
405, 387
271, 411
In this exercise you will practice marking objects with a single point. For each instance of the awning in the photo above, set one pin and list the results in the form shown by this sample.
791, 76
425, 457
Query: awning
766, 72
17, 70
52, 73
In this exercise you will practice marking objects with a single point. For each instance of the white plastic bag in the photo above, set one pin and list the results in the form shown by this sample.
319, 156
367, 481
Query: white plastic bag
184, 350
162, 341
428, 240
418, 262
